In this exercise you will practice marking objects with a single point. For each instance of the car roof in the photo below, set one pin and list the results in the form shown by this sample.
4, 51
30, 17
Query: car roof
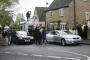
60, 30
21, 31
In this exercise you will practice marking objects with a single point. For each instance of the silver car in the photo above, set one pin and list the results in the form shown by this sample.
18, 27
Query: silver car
63, 37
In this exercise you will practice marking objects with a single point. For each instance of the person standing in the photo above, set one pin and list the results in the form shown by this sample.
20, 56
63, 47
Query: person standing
79, 30
37, 35
73, 31
28, 15
30, 31
85, 31
13, 35
44, 35
0, 34
5, 34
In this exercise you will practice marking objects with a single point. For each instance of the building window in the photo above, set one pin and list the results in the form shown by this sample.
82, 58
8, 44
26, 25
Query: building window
88, 24
50, 13
63, 26
61, 11
84, 0
50, 26
87, 15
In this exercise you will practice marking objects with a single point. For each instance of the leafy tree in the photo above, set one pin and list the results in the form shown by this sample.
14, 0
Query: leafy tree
19, 18
5, 18
5, 13
4, 4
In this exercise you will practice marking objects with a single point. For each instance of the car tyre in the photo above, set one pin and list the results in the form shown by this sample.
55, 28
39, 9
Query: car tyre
63, 42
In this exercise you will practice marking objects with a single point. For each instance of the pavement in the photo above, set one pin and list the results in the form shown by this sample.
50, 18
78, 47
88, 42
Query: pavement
86, 42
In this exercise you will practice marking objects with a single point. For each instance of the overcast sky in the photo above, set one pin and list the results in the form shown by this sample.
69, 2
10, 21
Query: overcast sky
29, 5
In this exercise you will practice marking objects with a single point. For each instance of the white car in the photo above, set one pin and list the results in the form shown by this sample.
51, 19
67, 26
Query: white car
22, 37
63, 37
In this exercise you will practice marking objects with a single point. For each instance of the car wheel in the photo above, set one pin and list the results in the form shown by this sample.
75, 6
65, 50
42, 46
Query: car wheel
32, 41
63, 43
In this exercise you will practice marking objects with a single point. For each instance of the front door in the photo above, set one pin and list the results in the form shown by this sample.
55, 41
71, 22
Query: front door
63, 26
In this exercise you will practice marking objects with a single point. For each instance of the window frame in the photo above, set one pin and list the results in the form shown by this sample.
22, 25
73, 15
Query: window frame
50, 13
61, 12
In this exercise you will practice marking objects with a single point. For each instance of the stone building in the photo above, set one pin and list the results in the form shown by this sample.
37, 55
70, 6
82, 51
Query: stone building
69, 13
39, 15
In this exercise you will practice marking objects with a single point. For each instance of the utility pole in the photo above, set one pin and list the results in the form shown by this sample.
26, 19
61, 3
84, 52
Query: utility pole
45, 14
74, 3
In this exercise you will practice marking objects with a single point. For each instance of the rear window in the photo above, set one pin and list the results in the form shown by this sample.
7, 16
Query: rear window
21, 33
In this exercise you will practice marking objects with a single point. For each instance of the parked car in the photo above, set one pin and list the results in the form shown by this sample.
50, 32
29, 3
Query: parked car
63, 37
22, 37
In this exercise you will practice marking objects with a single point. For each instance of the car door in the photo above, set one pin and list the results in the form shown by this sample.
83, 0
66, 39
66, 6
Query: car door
61, 33
50, 37
56, 37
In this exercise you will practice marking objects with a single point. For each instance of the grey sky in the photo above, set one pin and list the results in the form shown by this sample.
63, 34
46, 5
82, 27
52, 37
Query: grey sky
29, 5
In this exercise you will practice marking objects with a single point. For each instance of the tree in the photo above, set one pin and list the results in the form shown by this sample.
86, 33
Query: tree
19, 18
4, 4
5, 18
5, 13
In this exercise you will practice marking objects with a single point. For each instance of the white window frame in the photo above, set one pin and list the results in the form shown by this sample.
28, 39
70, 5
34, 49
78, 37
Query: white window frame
50, 13
84, 0
61, 11
63, 26
88, 24
87, 15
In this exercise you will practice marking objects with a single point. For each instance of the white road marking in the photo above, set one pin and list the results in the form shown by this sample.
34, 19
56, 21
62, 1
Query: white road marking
54, 57
25, 54
20, 53
38, 55
72, 58
88, 58
7, 52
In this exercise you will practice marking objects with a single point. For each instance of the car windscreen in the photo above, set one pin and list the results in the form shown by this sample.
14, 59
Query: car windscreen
68, 32
21, 33
64, 32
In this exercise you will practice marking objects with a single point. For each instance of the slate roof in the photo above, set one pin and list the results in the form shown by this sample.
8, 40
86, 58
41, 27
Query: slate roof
56, 4
41, 13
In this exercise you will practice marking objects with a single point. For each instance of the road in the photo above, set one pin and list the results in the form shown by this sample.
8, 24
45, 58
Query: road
48, 52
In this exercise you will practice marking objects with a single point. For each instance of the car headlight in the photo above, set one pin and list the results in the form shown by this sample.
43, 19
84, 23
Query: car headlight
31, 37
69, 39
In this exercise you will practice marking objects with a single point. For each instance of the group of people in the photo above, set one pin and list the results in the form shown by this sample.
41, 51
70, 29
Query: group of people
81, 31
5, 34
39, 35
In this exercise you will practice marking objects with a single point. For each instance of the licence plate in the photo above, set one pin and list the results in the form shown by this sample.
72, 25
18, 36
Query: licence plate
27, 40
